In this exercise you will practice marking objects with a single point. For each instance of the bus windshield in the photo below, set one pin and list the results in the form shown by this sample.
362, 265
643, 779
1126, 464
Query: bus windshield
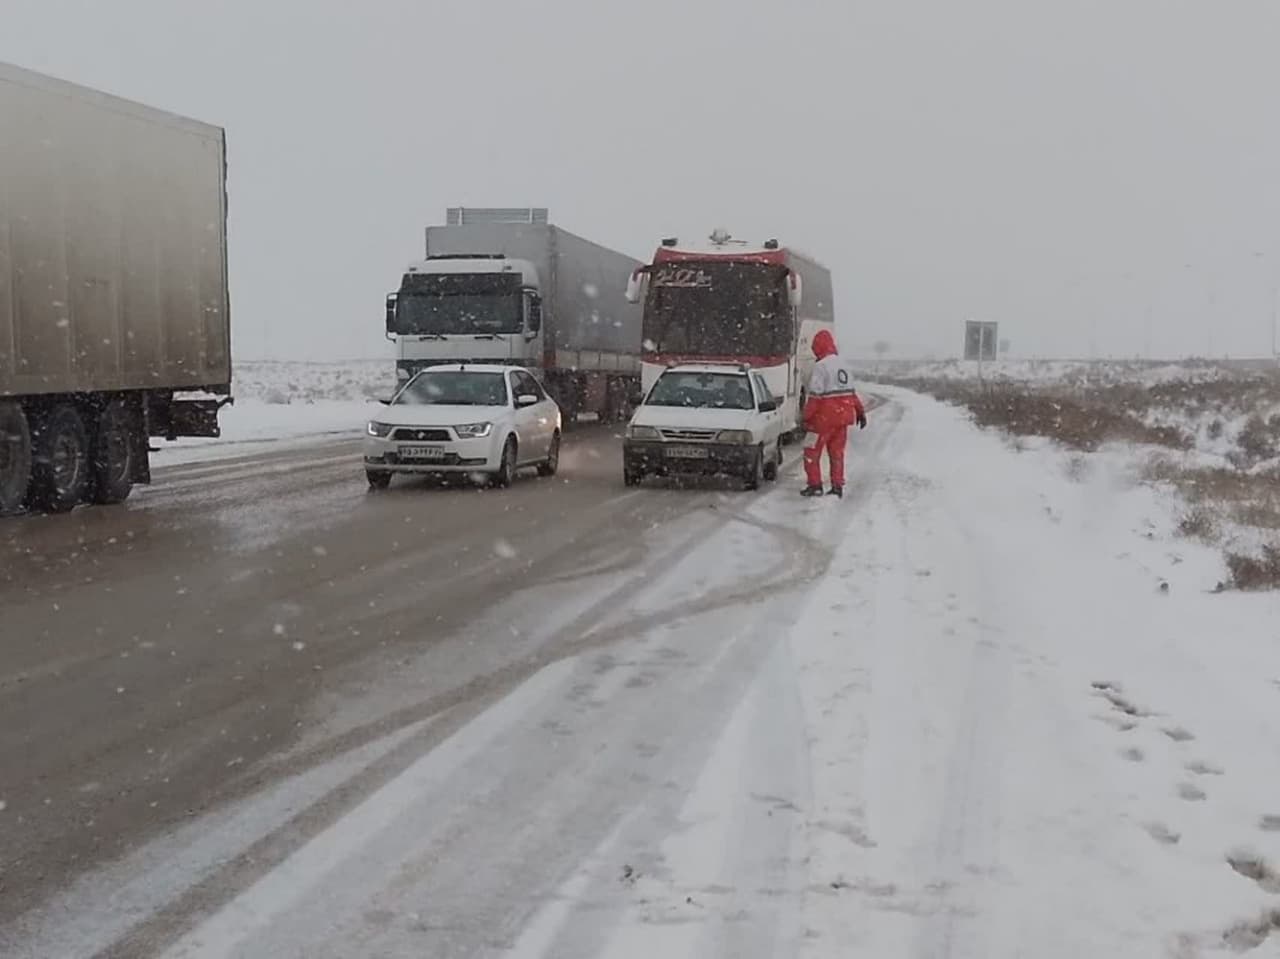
718, 309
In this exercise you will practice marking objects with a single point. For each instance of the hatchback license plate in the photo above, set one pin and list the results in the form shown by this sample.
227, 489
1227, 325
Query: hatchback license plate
687, 452
422, 452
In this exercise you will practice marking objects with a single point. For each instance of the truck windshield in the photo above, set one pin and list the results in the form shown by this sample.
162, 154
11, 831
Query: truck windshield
454, 388
459, 303
718, 309
724, 391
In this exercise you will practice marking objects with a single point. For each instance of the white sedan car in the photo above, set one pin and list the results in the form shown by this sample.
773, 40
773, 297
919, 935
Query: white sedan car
709, 419
488, 420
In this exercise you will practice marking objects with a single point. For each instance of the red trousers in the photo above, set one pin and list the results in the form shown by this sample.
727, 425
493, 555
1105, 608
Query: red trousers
832, 441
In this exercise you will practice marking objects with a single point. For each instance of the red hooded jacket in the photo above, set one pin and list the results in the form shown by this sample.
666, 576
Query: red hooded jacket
832, 401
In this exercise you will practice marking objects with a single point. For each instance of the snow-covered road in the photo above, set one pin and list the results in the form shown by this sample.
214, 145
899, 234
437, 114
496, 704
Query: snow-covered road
985, 707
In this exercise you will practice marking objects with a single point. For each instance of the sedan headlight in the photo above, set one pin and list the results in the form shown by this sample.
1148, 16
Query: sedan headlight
643, 433
473, 431
738, 437
381, 430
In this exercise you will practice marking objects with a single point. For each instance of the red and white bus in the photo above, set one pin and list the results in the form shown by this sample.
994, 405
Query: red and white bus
729, 301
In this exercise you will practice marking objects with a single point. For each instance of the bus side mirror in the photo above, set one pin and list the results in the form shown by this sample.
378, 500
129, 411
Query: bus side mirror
391, 314
635, 286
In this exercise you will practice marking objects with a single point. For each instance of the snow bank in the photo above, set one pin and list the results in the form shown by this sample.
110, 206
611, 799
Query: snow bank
1033, 728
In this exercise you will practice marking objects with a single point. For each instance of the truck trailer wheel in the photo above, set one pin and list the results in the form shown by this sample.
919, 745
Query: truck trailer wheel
113, 451
15, 457
60, 469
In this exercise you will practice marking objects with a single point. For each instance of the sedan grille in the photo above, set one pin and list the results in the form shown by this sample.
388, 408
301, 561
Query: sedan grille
417, 434
689, 436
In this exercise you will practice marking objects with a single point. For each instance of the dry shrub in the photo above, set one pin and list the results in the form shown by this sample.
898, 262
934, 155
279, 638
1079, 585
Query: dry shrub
1199, 523
1255, 572
1070, 420
1260, 438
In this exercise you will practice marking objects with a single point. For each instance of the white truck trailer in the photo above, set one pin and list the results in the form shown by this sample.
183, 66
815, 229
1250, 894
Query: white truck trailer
114, 321
507, 286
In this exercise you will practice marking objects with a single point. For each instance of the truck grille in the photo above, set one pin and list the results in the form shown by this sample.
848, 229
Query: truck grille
416, 434
689, 436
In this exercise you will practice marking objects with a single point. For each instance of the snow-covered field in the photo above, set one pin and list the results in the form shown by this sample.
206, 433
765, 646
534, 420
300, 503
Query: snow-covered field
294, 401
991, 707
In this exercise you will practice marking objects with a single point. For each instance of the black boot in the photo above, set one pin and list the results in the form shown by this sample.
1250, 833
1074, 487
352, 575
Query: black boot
837, 491
811, 491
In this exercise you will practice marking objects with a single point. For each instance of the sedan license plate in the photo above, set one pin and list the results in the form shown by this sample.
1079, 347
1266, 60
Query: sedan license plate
687, 452
422, 452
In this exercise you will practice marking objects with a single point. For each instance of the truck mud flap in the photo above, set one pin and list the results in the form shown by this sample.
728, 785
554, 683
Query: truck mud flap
190, 418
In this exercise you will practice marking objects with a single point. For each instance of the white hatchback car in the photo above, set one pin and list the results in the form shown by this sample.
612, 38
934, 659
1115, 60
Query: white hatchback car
709, 419
467, 418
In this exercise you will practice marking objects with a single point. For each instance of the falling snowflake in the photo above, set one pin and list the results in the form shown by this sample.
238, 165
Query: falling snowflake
119, 690
278, 629
299, 647
591, 290
649, 345
3, 805
319, 551
505, 549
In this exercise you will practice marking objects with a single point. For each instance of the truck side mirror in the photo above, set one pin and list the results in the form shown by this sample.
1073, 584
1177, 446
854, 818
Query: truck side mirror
535, 316
793, 289
391, 314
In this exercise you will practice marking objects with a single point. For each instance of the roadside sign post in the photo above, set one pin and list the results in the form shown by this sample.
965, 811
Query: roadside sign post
981, 339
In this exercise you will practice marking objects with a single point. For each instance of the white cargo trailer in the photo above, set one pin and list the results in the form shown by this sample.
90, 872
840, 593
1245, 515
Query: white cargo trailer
114, 319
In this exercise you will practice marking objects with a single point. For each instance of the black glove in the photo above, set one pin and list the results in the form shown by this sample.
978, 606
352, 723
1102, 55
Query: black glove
862, 421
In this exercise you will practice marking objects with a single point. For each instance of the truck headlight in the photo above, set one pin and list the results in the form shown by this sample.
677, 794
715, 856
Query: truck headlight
737, 437
473, 431
380, 430
642, 433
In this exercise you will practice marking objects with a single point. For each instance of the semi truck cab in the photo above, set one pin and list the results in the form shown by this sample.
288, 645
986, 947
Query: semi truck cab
466, 308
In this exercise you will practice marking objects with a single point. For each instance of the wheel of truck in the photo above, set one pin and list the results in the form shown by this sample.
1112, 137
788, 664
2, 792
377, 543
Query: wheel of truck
755, 471
775, 463
552, 465
15, 457
60, 468
506, 474
113, 454
378, 479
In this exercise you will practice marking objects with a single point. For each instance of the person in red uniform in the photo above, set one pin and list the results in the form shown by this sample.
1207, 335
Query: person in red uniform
832, 407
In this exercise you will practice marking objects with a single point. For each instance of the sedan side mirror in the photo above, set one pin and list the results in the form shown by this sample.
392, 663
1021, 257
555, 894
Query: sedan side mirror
526, 399
768, 406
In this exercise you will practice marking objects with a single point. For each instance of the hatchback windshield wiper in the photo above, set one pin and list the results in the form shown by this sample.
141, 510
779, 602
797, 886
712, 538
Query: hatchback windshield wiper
490, 336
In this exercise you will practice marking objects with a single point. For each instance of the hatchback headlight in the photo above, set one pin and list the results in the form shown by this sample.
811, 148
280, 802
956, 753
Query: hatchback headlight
643, 433
737, 437
380, 430
473, 431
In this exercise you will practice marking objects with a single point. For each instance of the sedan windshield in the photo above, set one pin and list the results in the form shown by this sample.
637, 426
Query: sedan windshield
726, 391
454, 388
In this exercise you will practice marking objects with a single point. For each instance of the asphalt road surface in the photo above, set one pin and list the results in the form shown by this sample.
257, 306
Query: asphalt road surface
251, 622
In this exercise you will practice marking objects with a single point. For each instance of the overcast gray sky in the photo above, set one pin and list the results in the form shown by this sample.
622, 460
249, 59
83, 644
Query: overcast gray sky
1062, 167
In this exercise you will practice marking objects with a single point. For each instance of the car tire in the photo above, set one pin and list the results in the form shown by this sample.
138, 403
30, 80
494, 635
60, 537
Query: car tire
774, 465
15, 458
378, 479
60, 469
552, 464
113, 455
755, 472
631, 477
506, 474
